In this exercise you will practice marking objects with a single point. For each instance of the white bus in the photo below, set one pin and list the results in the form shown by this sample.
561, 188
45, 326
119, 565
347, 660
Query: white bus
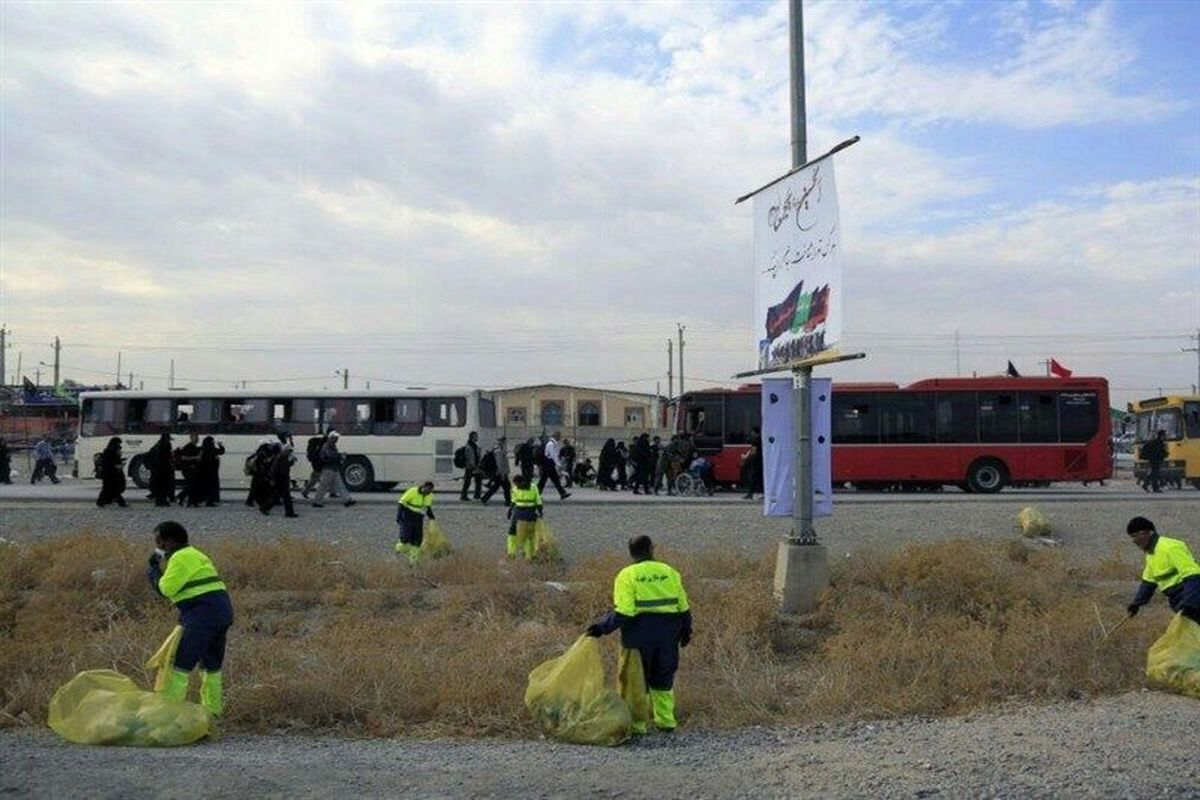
387, 437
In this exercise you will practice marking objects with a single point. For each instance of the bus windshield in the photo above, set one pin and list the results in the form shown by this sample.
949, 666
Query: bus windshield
1168, 420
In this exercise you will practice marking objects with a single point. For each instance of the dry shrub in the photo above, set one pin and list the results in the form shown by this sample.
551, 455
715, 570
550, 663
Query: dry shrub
328, 638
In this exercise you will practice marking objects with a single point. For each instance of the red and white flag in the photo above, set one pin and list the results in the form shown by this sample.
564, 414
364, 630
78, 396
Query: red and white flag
1059, 370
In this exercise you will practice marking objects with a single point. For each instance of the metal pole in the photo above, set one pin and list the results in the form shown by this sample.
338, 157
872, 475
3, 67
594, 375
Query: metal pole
957, 355
171, 378
130, 384
803, 531
670, 369
346, 379
796, 51
57, 353
681, 327
118, 369
3, 344
1195, 350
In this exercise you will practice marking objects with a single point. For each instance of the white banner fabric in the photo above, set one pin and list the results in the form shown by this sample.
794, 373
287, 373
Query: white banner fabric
778, 432
797, 267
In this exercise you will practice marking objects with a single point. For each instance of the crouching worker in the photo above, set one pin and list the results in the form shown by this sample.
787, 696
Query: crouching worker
523, 514
186, 577
413, 507
1170, 567
651, 608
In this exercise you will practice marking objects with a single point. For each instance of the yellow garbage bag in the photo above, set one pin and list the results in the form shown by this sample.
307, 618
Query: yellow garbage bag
545, 546
163, 661
1174, 659
104, 707
1033, 523
572, 702
434, 544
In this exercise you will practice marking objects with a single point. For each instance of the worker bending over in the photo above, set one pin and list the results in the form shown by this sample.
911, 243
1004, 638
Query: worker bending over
651, 608
186, 577
411, 510
525, 511
1169, 567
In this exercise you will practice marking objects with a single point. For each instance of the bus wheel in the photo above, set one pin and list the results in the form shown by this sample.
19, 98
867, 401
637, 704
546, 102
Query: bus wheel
140, 472
358, 474
987, 476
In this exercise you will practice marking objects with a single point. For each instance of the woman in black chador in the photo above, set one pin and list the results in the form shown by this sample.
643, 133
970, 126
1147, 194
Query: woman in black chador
112, 474
162, 471
209, 472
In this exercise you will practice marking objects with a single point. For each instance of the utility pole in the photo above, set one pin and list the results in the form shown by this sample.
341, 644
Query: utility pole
957, 355
670, 369
1046, 364
346, 378
171, 377
19, 376
3, 344
118, 369
57, 360
681, 327
130, 384
1195, 350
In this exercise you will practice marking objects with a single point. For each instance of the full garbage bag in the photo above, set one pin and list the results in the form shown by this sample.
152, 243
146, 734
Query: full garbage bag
545, 545
1174, 659
571, 701
434, 544
1033, 523
101, 706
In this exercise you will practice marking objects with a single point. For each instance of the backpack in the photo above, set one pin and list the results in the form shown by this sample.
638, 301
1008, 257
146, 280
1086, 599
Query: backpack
488, 463
460, 457
313, 450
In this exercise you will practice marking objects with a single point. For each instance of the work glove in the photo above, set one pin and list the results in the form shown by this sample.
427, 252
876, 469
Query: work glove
594, 630
154, 561
1133, 609
429, 513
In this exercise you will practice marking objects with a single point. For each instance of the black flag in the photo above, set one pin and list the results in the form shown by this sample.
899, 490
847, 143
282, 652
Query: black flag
1012, 371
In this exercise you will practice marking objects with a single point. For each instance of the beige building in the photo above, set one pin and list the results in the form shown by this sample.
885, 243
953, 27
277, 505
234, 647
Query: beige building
553, 406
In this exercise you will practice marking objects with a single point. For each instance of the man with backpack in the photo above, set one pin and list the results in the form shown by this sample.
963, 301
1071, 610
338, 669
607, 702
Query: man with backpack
313, 454
331, 474
495, 467
466, 458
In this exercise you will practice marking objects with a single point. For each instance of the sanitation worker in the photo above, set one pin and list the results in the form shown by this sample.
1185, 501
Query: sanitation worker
524, 513
651, 608
1170, 567
186, 577
411, 510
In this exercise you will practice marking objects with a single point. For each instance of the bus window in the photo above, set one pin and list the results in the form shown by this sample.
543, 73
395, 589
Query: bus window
403, 416
487, 413
1191, 420
446, 412
957, 417
245, 416
855, 419
1039, 416
997, 417
742, 414
281, 413
705, 420
1078, 415
349, 417
103, 417
906, 418
305, 419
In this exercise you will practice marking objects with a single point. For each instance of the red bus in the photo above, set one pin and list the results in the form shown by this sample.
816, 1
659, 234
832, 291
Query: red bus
980, 434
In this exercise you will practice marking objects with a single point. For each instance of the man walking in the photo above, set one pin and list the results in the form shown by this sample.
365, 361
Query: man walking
1155, 453
651, 608
186, 577
43, 462
495, 465
471, 470
331, 473
548, 466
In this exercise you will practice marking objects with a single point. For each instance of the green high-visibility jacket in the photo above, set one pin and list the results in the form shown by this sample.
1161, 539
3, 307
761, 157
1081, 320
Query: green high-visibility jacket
526, 498
1170, 564
189, 574
414, 501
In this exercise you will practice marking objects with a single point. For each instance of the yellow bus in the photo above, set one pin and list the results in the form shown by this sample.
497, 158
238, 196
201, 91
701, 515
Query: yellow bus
1178, 416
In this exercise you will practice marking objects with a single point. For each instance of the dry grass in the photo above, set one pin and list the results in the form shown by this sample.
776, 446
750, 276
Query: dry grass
327, 639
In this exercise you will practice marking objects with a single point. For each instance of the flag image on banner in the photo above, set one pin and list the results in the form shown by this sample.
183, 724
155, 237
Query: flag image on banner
798, 266
778, 436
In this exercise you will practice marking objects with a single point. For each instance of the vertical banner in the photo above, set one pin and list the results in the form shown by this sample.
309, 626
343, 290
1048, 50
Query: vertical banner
779, 443
797, 266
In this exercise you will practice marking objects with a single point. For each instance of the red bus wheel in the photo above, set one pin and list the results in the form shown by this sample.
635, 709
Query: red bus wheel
987, 476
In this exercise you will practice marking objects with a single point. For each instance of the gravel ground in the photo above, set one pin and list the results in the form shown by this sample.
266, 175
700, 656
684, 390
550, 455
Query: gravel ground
1088, 528
1127, 746
1135, 745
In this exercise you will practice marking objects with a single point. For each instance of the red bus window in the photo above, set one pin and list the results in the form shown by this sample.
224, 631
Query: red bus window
957, 418
997, 417
1039, 416
906, 418
855, 418
1079, 415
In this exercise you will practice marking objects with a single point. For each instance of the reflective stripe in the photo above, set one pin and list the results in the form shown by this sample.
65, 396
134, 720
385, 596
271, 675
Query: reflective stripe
664, 601
200, 582
1162, 576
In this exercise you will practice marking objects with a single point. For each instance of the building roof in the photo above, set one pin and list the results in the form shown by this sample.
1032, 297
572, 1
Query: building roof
576, 388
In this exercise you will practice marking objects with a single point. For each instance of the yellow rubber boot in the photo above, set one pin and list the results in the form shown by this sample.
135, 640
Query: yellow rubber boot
530, 547
177, 685
511, 545
631, 686
664, 708
212, 694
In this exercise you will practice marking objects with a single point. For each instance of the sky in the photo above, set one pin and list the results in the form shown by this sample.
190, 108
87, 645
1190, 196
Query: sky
502, 194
